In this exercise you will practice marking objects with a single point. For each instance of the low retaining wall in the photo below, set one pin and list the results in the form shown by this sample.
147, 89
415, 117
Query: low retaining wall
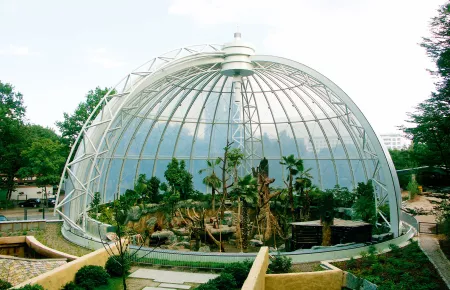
331, 279
22, 225
57, 278
46, 251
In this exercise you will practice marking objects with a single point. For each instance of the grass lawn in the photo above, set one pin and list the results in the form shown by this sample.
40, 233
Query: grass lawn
113, 284
402, 268
52, 237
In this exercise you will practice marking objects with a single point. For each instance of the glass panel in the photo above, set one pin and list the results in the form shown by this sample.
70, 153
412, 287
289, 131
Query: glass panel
314, 171
128, 175
146, 167
113, 179
328, 174
161, 167
344, 174
169, 140
276, 171
270, 141
139, 137
287, 141
153, 139
318, 139
358, 171
125, 138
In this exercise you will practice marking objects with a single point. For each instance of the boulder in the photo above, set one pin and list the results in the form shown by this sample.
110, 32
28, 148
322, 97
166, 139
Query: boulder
134, 214
258, 237
205, 249
151, 222
182, 244
164, 234
181, 231
256, 243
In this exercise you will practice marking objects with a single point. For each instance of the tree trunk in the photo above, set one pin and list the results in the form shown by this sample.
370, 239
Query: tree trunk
291, 197
245, 224
238, 225
213, 202
326, 234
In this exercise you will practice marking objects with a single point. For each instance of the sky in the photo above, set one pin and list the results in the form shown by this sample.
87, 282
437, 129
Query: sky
54, 52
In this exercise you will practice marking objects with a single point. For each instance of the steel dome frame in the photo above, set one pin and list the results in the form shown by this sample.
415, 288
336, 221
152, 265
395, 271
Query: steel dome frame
84, 168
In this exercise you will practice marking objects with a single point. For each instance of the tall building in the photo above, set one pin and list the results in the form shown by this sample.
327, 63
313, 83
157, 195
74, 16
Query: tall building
395, 141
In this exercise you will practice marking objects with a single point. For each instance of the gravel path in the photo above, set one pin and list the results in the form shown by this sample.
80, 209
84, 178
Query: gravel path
430, 246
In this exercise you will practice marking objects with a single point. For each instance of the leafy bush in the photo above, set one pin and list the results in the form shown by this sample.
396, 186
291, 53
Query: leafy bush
280, 264
225, 281
31, 287
239, 271
114, 268
413, 188
4, 285
90, 277
364, 207
210, 285
72, 286
342, 196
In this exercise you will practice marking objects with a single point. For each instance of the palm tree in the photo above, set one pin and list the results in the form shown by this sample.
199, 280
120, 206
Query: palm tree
302, 182
212, 180
294, 166
244, 190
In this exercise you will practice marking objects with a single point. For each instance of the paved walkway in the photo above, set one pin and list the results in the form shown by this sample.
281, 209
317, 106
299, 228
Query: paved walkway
431, 248
171, 280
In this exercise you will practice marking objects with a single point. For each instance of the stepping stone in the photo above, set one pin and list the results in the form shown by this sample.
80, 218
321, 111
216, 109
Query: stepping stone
177, 286
171, 277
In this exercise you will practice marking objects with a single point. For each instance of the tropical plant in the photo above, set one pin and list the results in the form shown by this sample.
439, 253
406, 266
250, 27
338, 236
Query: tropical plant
280, 264
293, 166
303, 182
4, 285
114, 268
95, 202
364, 206
244, 191
179, 179
326, 216
413, 188
212, 180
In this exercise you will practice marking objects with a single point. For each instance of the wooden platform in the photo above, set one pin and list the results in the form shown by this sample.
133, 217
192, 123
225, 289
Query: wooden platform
308, 234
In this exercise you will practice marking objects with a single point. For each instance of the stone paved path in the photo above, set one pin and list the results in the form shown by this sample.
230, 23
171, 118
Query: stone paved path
16, 270
171, 280
431, 248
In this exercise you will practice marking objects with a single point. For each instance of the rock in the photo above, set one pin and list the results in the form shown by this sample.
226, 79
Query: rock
282, 247
225, 229
181, 231
151, 222
134, 214
183, 244
205, 249
258, 237
164, 234
256, 243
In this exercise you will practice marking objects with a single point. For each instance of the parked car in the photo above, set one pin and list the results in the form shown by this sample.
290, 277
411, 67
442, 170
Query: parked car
31, 202
3, 218
51, 201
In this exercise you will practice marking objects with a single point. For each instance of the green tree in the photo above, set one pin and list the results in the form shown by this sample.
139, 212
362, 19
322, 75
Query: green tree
430, 122
303, 183
364, 206
245, 190
71, 126
95, 203
153, 189
212, 180
293, 167
44, 159
12, 113
179, 178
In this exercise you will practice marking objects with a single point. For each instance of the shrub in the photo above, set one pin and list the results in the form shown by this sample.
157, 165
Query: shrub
280, 264
4, 285
72, 286
239, 271
413, 188
208, 286
224, 282
114, 268
31, 287
90, 277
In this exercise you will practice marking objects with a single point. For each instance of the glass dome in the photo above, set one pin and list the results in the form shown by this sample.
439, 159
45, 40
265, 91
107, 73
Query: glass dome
189, 102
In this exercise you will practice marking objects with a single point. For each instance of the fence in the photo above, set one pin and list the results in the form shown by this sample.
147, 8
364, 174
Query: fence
428, 228
31, 214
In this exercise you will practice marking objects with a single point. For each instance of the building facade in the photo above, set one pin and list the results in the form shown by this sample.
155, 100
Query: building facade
395, 141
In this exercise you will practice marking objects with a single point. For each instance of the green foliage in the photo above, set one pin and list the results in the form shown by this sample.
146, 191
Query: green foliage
239, 271
31, 287
72, 286
45, 160
148, 189
179, 179
153, 189
71, 126
90, 277
327, 207
413, 188
5, 285
12, 112
430, 122
405, 268
364, 207
225, 281
443, 216
115, 268
280, 264
342, 196
95, 202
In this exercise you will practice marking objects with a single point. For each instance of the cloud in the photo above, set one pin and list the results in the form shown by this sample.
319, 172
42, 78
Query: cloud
17, 51
102, 57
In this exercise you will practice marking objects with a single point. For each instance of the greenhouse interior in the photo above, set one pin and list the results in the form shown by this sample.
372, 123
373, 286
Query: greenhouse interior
216, 148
